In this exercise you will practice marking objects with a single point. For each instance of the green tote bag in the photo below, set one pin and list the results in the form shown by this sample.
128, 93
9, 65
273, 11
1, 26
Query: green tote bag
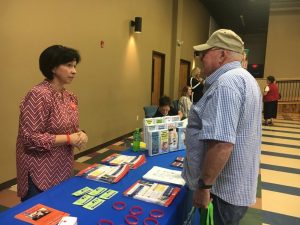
206, 216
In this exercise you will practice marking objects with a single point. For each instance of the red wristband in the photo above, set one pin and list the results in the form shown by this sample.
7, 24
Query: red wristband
102, 222
119, 205
131, 219
68, 140
136, 210
156, 213
148, 219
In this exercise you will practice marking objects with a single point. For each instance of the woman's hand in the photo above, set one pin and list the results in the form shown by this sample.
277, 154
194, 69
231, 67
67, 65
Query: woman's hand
78, 139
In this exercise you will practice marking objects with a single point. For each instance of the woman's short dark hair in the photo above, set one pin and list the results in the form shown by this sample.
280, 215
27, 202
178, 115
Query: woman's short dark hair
54, 56
271, 79
164, 100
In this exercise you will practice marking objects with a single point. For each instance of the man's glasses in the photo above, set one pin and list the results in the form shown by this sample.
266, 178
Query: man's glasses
208, 50
203, 53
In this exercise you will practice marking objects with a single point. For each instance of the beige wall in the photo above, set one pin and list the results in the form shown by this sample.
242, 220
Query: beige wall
113, 83
283, 43
194, 28
191, 29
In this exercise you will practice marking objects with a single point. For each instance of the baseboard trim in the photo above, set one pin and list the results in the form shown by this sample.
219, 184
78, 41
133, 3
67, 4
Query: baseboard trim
8, 184
13, 181
98, 147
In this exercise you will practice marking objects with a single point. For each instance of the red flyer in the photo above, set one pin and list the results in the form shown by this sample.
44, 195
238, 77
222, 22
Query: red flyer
41, 215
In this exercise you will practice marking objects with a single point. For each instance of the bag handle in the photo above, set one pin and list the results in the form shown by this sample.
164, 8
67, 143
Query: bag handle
188, 220
207, 215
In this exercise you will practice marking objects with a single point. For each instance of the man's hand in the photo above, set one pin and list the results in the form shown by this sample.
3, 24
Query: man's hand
201, 198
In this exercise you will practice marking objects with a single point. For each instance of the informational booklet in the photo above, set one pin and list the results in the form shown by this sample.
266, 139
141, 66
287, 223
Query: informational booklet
178, 162
41, 215
105, 173
119, 159
164, 175
157, 193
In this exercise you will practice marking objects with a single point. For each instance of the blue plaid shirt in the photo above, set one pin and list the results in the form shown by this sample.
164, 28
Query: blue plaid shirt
230, 111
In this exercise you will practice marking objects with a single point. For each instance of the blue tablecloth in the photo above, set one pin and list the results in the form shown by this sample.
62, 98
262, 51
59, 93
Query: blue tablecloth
60, 197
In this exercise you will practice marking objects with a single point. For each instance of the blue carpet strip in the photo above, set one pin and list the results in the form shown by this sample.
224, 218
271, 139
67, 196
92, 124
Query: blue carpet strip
279, 219
281, 155
280, 188
280, 168
282, 145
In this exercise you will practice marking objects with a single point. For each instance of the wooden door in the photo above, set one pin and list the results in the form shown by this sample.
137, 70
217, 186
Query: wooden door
158, 76
184, 72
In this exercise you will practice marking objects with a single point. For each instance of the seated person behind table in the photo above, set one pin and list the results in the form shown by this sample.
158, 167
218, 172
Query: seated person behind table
165, 108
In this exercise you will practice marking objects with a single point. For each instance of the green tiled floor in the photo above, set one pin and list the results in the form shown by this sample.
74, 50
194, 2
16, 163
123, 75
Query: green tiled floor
252, 217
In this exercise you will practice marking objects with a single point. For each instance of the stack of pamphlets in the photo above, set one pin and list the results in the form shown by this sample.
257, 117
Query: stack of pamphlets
164, 175
41, 215
118, 159
157, 193
105, 173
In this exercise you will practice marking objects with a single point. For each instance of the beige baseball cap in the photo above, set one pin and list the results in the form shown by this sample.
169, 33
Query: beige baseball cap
225, 39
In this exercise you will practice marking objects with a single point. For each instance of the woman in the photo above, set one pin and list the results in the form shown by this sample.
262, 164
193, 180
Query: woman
185, 101
271, 96
197, 84
49, 125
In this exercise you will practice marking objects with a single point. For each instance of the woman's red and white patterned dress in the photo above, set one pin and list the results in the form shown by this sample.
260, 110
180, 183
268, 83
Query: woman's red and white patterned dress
44, 113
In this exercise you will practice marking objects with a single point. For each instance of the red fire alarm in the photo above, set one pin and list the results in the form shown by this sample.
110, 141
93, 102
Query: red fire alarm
102, 44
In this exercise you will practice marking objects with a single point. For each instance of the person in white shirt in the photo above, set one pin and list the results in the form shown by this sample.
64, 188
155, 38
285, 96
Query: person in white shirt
185, 102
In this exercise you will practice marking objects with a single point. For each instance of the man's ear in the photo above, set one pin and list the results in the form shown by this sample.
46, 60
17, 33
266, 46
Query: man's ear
224, 53
225, 56
222, 56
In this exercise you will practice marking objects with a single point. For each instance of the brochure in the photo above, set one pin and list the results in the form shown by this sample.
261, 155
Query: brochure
178, 162
105, 173
41, 215
164, 134
153, 192
164, 175
119, 159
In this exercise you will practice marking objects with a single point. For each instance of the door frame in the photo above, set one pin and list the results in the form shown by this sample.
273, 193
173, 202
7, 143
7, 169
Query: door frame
188, 63
162, 73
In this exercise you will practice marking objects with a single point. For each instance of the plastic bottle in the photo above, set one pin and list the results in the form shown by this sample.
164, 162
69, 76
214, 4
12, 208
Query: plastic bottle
136, 140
